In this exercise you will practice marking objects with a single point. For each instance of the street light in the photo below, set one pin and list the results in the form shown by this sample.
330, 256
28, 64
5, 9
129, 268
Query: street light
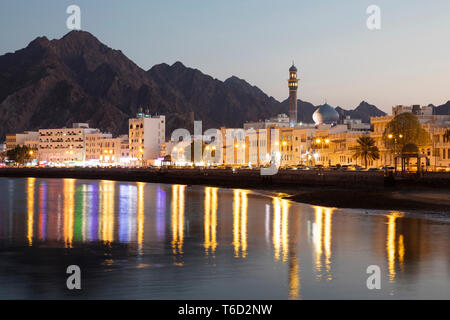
390, 137
321, 142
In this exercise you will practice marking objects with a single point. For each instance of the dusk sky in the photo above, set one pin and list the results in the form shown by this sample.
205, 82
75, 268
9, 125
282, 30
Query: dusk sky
338, 57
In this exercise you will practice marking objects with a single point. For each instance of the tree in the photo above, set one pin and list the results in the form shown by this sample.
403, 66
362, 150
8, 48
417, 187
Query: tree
403, 129
366, 149
21, 154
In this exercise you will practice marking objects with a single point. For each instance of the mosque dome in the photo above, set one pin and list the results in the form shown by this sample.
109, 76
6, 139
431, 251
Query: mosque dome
325, 114
293, 68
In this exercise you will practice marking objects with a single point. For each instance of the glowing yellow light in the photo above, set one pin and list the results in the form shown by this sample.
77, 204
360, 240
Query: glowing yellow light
207, 148
210, 223
30, 213
318, 140
174, 148
390, 136
68, 211
236, 146
294, 279
243, 146
284, 143
240, 223
110, 151
106, 151
214, 147
107, 217
31, 152
327, 140
177, 218
391, 246
401, 136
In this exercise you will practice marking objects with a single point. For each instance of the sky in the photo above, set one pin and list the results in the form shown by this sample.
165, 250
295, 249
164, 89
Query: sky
339, 59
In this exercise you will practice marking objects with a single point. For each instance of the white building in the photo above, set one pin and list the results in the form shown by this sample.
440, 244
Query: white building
64, 145
146, 135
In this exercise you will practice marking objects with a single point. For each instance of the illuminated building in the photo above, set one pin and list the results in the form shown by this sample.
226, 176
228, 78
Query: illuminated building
20, 139
65, 145
438, 151
102, 148
293, 87
146, 134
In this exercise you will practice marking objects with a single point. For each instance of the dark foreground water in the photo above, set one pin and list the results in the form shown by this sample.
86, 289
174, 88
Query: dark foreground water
154, 241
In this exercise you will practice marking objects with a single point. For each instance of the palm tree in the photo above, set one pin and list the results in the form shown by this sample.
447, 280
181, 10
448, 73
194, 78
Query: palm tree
366, 149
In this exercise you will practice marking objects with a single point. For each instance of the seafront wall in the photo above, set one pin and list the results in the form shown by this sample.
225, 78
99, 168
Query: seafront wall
240, 179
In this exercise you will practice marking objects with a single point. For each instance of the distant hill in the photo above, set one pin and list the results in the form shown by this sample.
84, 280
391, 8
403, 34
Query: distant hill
442, 109
363, 111
53, 83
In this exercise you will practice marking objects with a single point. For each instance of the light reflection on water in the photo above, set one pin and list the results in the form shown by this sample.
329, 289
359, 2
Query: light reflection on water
162, 241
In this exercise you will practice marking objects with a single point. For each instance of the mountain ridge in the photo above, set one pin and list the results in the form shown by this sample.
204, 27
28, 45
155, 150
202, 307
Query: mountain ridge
77, 78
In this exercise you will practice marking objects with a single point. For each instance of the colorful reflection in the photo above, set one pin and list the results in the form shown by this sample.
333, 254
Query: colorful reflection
280, 228
240, 223
177, 218
391, 247
125, 212
106, 233
322, 231
140, 216
30, 209
94, 203
210, 220
68, 210
160, 213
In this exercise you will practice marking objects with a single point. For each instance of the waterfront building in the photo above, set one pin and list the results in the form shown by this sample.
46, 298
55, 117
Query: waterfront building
124, 149
64, 145
103, 149
437, 152
146, 135
259, 145
20, 139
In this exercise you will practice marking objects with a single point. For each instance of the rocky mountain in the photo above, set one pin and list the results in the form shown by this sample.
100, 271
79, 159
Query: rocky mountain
78, 79
363, 111
305, 111
53, 83
443, 109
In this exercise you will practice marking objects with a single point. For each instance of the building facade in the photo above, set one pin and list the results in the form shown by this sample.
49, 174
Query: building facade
64, 145
146, 135
437, 151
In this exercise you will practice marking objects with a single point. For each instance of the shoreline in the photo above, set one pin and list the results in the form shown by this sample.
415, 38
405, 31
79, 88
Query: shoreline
368, 191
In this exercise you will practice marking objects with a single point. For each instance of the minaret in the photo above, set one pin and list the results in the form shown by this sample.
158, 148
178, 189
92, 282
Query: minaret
293, 86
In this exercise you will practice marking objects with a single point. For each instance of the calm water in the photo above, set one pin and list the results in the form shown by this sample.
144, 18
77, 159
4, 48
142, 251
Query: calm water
141, 240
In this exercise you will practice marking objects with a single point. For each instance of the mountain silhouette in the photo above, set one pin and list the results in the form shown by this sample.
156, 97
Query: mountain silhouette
53, 83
